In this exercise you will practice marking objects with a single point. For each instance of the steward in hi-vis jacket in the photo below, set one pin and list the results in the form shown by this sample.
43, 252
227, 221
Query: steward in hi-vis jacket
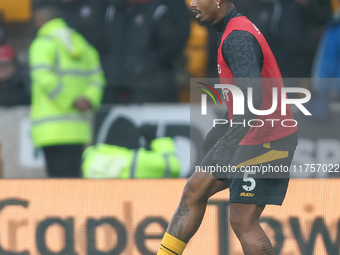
67, 83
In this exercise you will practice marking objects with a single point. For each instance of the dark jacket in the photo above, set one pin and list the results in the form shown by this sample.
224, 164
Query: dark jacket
280, 22
2, 30
15, 91
87, 17
315, 16
144, 42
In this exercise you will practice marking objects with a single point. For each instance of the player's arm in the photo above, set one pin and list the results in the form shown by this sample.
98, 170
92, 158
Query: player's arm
243, 54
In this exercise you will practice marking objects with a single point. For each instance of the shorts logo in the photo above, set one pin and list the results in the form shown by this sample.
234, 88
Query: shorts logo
244, 194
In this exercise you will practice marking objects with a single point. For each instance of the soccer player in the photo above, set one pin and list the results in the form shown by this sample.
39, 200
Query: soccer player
242, 53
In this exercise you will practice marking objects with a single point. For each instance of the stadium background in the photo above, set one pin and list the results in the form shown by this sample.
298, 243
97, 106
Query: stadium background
128, 216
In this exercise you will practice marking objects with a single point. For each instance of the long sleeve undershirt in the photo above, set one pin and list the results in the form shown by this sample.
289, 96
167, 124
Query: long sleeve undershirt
243, 55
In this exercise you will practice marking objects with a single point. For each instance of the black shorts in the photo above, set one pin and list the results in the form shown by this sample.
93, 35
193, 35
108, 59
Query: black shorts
257, 174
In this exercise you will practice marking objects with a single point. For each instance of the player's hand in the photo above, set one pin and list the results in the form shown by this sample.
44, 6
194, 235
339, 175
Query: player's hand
82, 104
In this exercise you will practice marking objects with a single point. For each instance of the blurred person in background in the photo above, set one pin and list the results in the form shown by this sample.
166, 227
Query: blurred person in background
315, 15
326, 71
2, 29
300, 24
327, 64
14, 79
245, 6
145, 38
88, 18
280, 22
200, 53
67, 84
201, 49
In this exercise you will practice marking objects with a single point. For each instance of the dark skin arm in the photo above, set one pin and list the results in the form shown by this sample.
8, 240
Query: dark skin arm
244, 56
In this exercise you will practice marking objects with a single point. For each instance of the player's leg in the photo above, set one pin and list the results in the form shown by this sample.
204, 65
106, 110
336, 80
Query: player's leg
244, 220
190, 211
189, 214
251, 191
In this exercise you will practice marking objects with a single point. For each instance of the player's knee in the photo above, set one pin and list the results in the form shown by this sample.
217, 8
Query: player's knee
194, 193
239, 224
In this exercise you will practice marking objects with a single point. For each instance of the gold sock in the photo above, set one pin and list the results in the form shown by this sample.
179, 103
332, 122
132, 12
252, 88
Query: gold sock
171, 245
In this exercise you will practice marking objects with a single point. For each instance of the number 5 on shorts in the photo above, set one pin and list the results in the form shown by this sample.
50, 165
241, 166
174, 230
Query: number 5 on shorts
249, 179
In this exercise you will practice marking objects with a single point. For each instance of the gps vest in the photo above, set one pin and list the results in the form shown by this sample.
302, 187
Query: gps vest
271, 78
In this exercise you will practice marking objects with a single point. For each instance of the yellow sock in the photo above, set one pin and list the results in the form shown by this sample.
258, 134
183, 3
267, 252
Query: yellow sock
171, 245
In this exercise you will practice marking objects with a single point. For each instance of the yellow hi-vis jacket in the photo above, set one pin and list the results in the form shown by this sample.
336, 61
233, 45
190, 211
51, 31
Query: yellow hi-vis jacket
64, 67
105, 161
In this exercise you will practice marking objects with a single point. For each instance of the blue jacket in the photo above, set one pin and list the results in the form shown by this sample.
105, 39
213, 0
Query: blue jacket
327, 63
